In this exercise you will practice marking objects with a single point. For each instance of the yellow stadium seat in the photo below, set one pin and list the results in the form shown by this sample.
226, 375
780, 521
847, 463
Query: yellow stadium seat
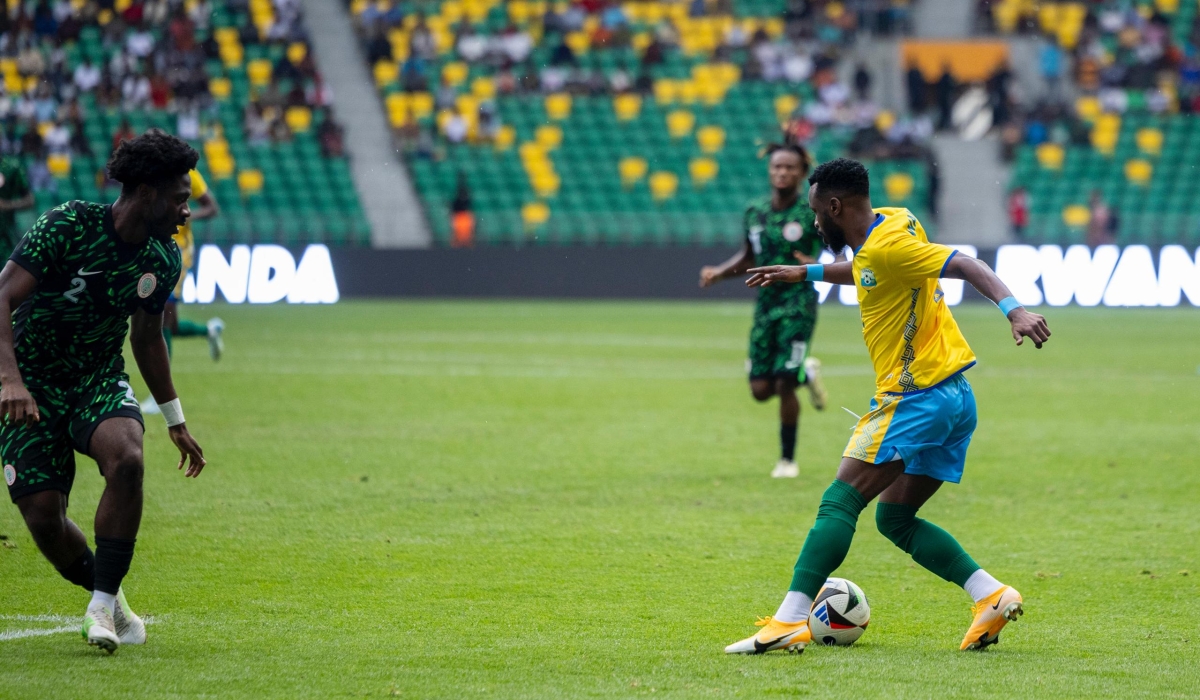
221, 167
578, 41
13, 83
250, 182
455, 73
664, 91
680, 123
452, 12
1050, 156
703, 170
1108, 122
531, 151
1138, 171
640, 41
518, 11
396, 102
711, 139
686, 92
1088, 108
299, 119
220, 88
632, 169
712, 93
627, 107
1150, 141
483, 88
31, 82
386, 73
1104, 141
558, 106
59, 165
1076, 215
784, 106
506, 136
546, 183
297, 51
898, 187
549, 136
226, 36
535, 214
663, 185
1168, 7
468, 106
885, 120
259, 72
44, 128
421, 104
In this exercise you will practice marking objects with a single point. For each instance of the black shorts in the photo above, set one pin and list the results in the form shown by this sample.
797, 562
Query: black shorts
41, 457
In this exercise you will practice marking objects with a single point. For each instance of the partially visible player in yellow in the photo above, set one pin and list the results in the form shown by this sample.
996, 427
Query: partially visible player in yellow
204, 207
916, 434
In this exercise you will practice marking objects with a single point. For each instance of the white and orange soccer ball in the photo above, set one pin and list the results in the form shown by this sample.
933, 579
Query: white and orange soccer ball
840, 613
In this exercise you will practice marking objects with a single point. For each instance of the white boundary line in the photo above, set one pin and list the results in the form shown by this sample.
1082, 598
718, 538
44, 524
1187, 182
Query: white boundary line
9, 635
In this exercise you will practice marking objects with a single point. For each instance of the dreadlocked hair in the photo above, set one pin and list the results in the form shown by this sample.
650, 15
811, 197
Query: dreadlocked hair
154, 158
790, 147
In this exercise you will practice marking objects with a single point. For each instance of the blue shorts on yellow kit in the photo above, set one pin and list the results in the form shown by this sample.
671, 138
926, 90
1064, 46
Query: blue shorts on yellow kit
928, 429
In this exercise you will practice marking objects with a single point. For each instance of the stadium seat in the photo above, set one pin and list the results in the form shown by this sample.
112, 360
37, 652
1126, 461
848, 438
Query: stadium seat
663, 185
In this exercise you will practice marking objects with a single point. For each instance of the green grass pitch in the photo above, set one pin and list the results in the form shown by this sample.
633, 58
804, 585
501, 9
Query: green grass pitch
449, 500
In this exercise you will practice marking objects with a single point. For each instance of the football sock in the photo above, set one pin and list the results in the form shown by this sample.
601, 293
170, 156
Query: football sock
929, 545
167, 337
107, 600
981, 584
190, 328
794, 608
787, 439
112, 563
829, 539
82, 571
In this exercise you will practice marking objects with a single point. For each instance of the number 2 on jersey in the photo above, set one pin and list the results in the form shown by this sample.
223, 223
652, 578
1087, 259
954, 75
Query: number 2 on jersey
77, 287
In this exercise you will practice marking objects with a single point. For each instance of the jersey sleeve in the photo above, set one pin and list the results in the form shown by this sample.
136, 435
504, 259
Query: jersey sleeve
911, 259
199, 186
44, 246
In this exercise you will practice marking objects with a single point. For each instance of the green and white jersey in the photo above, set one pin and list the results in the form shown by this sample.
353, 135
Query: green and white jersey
89, 283
774, 236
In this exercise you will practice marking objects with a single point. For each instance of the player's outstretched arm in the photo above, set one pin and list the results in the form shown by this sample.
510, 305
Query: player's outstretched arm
16, 403
736, 265
1025, 324
150, 353
833, 273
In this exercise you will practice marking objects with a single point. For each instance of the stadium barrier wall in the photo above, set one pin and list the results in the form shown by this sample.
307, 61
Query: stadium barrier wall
1049, 274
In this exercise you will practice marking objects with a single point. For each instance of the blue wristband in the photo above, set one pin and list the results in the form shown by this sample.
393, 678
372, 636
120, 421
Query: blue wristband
816, 273
1007, 304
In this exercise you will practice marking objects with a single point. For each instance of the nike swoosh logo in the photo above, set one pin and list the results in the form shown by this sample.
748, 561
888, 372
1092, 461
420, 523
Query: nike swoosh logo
761, 648
81, 273
997, 605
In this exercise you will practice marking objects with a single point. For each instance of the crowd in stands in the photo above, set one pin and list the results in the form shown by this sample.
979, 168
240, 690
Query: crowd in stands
152, 56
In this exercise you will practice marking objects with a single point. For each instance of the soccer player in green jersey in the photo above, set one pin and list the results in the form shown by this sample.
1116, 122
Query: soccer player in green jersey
780, 230
66, 298
15, 195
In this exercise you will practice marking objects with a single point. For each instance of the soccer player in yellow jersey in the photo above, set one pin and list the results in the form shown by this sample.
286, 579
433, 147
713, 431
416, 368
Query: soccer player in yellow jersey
915, 436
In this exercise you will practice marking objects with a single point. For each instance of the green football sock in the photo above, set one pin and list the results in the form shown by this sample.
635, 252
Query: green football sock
930, 546
190, 328
829, 539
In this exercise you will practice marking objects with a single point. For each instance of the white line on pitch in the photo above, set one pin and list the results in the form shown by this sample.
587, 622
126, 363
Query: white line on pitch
10, 635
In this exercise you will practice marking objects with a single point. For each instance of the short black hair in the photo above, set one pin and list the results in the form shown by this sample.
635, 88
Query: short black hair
805, 159
842, 177
154, 158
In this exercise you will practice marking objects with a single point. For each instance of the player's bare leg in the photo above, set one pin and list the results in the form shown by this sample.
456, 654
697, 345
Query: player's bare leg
60, 540
116, 445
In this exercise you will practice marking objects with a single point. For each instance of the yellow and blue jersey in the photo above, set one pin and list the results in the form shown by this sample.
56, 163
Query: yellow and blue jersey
911, 336
183, 237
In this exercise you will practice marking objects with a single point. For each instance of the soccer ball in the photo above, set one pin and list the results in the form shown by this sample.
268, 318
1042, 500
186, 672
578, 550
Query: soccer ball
840, 613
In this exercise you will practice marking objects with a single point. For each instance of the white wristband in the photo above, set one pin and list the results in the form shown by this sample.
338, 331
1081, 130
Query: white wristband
173, 412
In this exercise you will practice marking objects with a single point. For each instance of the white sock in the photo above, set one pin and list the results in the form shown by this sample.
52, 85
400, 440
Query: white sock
981, 585
794, 608
108, 600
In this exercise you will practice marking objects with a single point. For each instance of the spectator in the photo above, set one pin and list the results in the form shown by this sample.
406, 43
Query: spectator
32, 145
471, 45
456, 128
462, 218
915, 82
379, 48
862, 82
87, 76
1018, 212
79, 142
58, 140
1050, 60
330, 136
124, 133
135, 91
945, 97
1099, 229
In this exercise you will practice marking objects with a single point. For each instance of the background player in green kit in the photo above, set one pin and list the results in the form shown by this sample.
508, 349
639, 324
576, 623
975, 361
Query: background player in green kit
780, 228
15, 195
66, 298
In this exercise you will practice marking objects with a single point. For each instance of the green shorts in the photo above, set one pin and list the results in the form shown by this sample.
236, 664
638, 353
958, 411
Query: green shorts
779, 345
41, 457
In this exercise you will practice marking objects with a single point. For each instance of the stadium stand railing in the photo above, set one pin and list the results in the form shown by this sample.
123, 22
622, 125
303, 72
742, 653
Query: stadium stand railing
236, 78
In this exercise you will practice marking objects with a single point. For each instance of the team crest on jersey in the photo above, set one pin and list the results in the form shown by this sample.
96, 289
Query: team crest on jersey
146, 285
792, 231
867, 278
10, 474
